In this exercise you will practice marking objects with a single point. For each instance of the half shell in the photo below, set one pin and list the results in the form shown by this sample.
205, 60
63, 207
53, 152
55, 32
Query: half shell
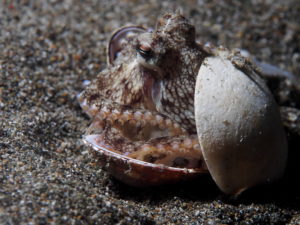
238, 124
135, 172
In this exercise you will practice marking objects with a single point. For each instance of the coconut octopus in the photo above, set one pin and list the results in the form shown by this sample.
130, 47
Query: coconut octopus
158, 119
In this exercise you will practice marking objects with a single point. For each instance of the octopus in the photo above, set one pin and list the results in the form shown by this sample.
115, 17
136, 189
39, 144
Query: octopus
142, 105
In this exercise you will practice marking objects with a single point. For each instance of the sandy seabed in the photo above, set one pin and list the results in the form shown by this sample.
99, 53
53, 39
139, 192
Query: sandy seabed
47, 175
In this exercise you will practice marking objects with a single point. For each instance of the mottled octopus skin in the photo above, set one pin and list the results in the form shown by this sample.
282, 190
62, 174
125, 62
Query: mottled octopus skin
142, 105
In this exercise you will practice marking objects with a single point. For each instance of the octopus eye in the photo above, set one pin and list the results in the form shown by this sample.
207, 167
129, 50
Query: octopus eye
145, 51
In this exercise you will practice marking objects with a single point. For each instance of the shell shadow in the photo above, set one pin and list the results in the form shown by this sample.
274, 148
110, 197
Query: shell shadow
203, 188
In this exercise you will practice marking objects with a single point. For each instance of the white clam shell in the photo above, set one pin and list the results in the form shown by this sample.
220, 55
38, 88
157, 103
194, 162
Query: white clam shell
239, 126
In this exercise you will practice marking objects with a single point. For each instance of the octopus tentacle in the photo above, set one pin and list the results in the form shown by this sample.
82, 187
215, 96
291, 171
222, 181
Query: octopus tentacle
179, 151
119, 115
144, 135
141, 119
114, 112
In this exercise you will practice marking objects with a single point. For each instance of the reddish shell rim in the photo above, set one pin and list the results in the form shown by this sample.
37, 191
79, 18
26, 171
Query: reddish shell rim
136, 161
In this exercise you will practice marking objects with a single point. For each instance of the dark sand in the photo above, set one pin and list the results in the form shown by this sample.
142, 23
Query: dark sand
47, 174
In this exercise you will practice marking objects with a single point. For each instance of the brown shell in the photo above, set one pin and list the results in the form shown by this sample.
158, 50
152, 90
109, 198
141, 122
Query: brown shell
138, 173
